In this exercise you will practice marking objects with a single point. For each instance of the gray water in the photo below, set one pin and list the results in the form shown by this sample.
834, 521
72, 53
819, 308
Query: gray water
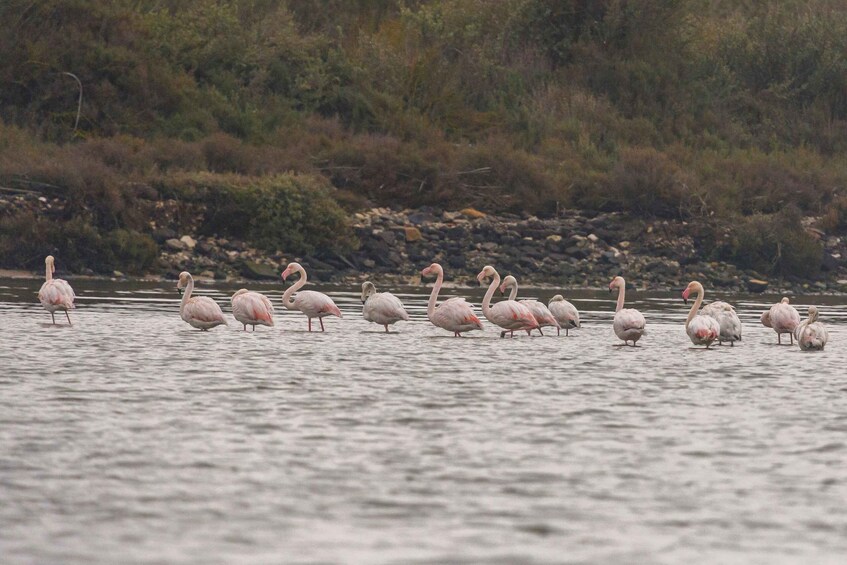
133, 438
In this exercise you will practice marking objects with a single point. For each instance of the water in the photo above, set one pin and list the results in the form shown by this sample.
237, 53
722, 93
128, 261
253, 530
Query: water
133, 438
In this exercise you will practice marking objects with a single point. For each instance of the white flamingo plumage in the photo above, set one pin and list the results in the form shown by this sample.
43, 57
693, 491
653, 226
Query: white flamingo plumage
508, 314
566, 313
312, 303
252, 308
541, 313
55, 294
381, 308
702, 329
454, 314
199, 311
811, 334
783, 318
629, 323
728, 320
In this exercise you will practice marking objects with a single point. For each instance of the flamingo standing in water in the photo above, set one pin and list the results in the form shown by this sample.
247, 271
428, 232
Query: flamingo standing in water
55, 294
783, 318
313, 304
566, 313
811, 334
508, 314
381, 307
200, 311
454, 314
702, 329
252, 308
629, 323
728, 320
541, 313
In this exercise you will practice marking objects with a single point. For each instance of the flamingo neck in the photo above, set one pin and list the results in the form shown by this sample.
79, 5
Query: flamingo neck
287, 301
433, 296
186, 296
695, 307
49, 273
486, 301
621, 295
513, 294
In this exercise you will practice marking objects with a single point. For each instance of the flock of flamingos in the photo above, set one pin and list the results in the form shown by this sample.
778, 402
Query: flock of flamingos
715, 322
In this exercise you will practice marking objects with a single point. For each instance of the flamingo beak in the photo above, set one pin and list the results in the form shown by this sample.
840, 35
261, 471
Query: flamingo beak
179, 290
685, 294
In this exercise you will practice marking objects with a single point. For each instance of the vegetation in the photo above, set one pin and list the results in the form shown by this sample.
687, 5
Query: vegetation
666, 108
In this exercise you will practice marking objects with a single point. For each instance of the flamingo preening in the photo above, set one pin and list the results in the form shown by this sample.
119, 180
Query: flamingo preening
454, 314
55, 294
783, 318
566, 313
312, 303
252, 308
541, 313
702, 329
508, 314
727, 319
811, 334
381, 308
629, 323
200, 311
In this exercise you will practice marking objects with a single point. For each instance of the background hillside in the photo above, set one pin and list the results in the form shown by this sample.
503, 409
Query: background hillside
291, 114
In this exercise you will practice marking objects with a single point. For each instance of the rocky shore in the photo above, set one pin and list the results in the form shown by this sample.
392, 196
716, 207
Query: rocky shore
572, 249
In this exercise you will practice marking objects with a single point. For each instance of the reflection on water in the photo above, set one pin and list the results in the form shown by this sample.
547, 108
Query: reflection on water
132, 437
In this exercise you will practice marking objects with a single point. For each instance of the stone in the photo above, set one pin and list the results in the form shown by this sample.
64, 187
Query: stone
555, 238
369, 263
175, 244
593, 238
624, 244
412, 234
258, 271
117, 274
472, 213
208, 274
757, 285
189, 241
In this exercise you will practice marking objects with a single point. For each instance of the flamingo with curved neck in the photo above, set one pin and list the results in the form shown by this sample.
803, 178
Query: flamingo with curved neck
629, 323
812, 334
454, 314
312, 303
55, 294
702, 329
199, 311
381, 307
542, 314
508, 314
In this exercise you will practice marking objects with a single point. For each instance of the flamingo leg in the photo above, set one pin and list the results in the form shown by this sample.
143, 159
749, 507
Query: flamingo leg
310, 324
69, 318
245, 327
791, 335
52, 317
321, 320
254, 327
528, 332
559, 331
386, 327
779, 339
539, 330
502, 334
567, 332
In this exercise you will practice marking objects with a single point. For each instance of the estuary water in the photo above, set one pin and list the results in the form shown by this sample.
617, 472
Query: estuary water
133, 438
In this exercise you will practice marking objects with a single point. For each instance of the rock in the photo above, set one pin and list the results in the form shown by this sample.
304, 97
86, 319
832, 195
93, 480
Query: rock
117, 274
208, 274
757, 285
257, 271
412, 234
624, 244
175, 244
555, 238
472, 213
189, 241
369, 263
593, 238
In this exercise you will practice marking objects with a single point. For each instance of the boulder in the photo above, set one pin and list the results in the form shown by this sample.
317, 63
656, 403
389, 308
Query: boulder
412, 234
189, 241
175, 244
472, 213
258, 271
757, 285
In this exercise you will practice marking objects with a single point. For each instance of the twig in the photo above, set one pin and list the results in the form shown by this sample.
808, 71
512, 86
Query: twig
79, 103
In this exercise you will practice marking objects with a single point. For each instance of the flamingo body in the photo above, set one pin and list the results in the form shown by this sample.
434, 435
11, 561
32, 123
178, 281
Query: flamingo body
312, 303
629, 324
784, 319
727, 319
55, 294
510, 315
539, 311
252, 308
199, 311
702, 329
811, 334
565, 313
454, 314
381, 308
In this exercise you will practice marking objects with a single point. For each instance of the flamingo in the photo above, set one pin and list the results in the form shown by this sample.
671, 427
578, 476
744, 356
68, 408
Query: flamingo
541, 313
252, 308
55, 294
702, 329
381, 307
811, 334
313, 304
508, 314
628, 323
783, 318
728, 320
201, 311
566, 313
454, 314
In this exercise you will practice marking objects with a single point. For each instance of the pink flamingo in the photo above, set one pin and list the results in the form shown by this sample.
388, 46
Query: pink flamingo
728, 320
201, 311
783, 318
252, 308
454, 314
381, 307
541, 313
702, 329
566, 313
56, 294
312, 303
811, 334
629, 323
508, 314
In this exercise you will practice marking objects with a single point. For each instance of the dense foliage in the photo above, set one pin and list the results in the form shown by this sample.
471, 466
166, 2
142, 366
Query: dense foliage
668, 108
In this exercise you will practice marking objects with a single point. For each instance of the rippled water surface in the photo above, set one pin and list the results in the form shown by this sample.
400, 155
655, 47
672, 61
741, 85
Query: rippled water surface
133, 438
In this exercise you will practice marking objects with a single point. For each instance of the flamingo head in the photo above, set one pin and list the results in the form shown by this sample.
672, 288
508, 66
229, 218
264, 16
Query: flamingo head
433, 269
184, 277
238, 293
617, 282
291, 268
557, 298
50, 262
693, 288
509, 281
784, 300
368, 289
813, 313
487, 271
